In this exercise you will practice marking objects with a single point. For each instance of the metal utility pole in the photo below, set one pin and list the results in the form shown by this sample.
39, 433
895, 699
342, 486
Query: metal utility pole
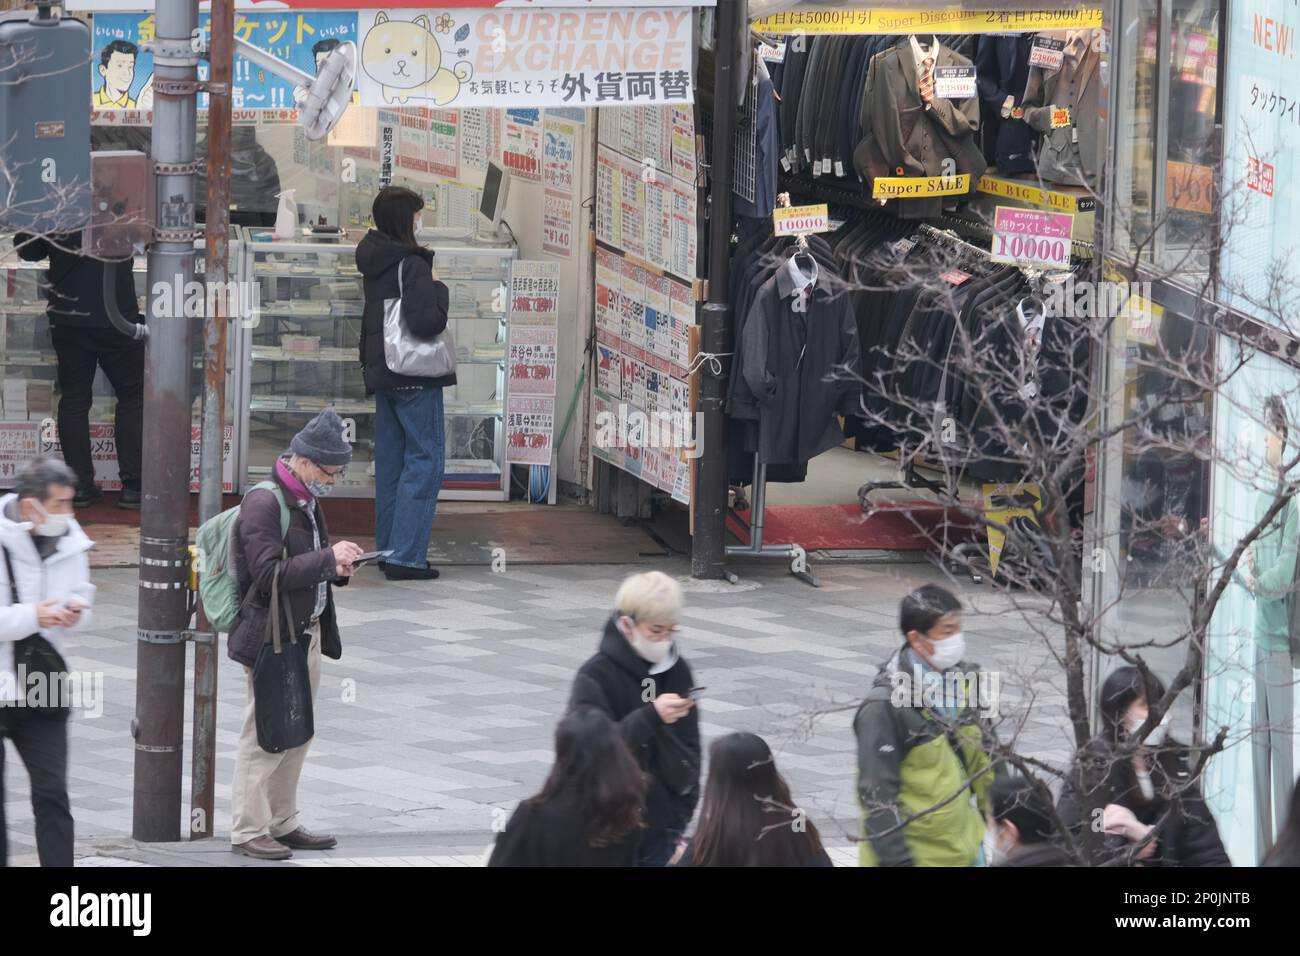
164, 519
221, 57
708, 546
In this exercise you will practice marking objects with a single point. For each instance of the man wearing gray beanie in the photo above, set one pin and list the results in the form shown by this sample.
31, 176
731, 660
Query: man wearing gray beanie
264, 797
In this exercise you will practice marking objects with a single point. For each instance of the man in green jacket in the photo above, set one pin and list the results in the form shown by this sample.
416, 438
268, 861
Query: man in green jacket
923, 766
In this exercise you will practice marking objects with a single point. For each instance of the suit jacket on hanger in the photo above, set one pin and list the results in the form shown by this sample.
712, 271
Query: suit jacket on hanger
904, 136
1060, 158
1002, 65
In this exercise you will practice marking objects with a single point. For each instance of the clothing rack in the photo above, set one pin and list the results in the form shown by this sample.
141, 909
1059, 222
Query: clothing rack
795, 553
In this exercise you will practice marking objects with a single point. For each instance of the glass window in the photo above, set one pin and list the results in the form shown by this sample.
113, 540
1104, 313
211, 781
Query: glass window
1251, 687
1137, 35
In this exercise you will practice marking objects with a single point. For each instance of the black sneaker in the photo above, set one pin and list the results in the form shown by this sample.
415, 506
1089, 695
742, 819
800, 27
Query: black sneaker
399, 572
129, 498
87, 497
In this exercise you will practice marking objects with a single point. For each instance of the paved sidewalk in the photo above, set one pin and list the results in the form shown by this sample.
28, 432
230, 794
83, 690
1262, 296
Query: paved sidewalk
440, 715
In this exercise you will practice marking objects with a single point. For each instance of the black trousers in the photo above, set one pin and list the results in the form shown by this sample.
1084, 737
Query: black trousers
42, 744
80, 351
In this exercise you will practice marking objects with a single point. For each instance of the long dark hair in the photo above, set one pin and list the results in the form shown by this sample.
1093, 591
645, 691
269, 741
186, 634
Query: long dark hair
746, 818
394, 214
593, 764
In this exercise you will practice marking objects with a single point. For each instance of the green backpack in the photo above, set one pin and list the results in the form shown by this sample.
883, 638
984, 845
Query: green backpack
214, 550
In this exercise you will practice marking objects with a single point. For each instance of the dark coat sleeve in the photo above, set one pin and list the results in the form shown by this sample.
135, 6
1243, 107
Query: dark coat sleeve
259, 534
518, 844
30, 248
424, 300
638, 727
880, 761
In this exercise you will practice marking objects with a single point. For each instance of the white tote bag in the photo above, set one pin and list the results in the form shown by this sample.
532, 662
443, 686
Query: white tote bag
407, 355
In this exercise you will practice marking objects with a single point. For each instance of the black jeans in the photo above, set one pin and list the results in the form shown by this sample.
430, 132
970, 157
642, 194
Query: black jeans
79, 352
42, 744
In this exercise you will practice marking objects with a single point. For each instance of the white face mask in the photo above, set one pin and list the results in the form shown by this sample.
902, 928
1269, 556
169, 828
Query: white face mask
53, 526
994, 855
948, 652
652, 651
1157, 735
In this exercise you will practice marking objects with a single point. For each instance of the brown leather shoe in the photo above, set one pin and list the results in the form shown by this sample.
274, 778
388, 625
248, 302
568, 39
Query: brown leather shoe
301, 839
263, 848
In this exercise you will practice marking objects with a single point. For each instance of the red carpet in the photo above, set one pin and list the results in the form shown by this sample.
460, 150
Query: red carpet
901, 526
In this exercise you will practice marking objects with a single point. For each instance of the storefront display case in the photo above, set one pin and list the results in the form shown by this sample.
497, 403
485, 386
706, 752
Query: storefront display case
30, 400
302, 355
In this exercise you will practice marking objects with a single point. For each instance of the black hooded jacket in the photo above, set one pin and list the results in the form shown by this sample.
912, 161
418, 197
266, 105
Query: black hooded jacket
424, 306
74, 283
1189, 836
616, 682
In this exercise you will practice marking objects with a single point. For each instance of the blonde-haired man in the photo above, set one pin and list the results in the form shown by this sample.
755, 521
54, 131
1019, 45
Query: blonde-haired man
640, 680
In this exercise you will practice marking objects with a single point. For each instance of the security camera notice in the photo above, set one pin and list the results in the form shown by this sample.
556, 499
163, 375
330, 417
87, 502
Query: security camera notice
1215, 918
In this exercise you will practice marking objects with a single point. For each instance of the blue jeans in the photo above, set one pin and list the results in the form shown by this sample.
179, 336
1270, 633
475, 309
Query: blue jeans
409, 462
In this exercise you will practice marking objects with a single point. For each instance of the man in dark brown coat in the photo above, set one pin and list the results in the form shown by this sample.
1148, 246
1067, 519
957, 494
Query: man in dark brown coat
264, 797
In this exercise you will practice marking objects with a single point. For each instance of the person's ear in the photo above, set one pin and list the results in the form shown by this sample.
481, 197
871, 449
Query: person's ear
1012, 832
920, 642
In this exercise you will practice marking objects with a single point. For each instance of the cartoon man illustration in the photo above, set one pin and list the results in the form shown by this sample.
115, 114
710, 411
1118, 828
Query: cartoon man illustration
117, 67
320, 51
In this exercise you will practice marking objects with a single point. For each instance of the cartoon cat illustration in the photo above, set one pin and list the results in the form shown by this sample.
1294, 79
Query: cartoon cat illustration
406, 58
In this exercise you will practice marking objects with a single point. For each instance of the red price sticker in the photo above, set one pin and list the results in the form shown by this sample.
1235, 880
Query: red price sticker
1060, 117
1032, 237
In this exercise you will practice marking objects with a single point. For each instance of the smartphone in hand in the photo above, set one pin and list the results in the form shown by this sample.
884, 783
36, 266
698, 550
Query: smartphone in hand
371, 556
695, 692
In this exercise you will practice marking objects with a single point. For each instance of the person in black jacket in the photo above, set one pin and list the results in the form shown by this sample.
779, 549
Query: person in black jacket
1150, 800
748, 817
639, 679
1020, 827
589, 811
85, 339
409, 452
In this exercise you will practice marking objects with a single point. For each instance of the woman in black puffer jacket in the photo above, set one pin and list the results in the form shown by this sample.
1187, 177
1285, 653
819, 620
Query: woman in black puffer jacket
1141, 791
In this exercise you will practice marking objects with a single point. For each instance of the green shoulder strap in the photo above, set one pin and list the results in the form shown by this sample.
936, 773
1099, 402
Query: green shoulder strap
276, 490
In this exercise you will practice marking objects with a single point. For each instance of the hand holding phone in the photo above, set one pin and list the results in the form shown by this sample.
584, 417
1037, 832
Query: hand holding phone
695, 692
371, 556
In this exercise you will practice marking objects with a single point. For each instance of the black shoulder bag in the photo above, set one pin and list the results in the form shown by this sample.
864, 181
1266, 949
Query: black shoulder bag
34, 655
282, 701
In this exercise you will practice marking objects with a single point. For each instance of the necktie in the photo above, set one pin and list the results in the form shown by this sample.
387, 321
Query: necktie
927, 79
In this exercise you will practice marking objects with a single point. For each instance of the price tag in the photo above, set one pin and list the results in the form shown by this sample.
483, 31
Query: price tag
954, 82
839, 167
801, 220
1060, 117
902, 247
1047, 53
1032, 237
785, 163
772, 52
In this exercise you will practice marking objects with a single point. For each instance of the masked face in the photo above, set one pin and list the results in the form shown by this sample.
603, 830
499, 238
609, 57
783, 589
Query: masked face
49, 525
322, 478
652, 642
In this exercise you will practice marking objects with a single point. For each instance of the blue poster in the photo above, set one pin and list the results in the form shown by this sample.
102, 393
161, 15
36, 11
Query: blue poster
122, 73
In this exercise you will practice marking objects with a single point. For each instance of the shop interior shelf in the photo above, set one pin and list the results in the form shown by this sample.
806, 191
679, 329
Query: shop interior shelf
309, 406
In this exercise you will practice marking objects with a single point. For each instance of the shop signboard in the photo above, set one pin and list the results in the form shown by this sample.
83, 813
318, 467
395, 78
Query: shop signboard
525, 58
122, 71
103, 453
858, 18
1261, 136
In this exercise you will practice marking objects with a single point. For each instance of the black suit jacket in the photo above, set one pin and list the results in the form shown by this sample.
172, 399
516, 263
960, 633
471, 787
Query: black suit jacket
902, 136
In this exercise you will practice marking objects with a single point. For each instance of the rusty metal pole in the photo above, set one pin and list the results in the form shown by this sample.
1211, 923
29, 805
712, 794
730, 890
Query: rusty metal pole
159, 724
221, 56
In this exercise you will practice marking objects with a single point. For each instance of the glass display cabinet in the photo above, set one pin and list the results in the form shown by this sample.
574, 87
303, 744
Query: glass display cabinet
303, 355
30, 399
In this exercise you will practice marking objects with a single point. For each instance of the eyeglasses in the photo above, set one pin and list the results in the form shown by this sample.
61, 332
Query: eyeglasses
338, 472
661, 630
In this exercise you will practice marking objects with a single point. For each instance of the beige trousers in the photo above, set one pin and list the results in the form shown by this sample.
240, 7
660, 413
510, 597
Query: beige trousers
264, 797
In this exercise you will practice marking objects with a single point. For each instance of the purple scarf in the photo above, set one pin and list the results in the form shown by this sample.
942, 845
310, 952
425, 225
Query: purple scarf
292, 483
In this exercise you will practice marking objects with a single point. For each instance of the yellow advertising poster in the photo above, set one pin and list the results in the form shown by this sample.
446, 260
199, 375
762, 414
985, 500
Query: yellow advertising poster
916, 187
937, 20
1007, 504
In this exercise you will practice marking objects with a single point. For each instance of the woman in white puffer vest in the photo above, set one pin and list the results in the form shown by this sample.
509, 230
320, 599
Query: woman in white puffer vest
45, 592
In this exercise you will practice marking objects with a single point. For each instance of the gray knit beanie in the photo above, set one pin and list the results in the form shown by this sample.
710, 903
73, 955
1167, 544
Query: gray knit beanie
321, 440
